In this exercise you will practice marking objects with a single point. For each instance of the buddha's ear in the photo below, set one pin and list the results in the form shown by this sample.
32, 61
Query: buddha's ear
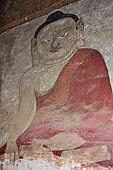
80, 26
34, 51
79, 33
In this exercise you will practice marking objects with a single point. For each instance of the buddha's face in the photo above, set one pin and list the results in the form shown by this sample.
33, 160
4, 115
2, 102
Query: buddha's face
57, 41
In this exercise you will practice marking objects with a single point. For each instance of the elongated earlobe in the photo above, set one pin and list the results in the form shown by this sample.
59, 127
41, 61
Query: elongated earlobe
34, 52
79, 33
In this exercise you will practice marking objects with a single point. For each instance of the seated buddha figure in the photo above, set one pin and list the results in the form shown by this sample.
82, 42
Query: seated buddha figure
66, 90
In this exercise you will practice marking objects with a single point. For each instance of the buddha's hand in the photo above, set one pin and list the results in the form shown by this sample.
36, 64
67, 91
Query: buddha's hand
11, 152
11, 148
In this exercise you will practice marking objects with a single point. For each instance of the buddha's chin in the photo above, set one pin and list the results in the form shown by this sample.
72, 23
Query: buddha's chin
59, 56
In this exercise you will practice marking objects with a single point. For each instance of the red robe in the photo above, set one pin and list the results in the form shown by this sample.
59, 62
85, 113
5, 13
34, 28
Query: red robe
83, 88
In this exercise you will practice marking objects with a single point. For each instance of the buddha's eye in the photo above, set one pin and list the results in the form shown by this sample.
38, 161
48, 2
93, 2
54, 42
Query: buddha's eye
64, 35
46, 40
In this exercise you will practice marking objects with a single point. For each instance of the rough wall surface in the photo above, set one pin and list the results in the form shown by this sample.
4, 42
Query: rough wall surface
15, 52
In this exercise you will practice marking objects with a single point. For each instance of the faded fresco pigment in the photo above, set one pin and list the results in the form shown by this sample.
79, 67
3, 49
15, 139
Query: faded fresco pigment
65, 98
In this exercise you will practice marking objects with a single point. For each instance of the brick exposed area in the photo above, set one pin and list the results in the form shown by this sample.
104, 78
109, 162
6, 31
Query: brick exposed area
13, 13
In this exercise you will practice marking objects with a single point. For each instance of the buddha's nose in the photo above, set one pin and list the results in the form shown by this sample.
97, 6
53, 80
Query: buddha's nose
55, 45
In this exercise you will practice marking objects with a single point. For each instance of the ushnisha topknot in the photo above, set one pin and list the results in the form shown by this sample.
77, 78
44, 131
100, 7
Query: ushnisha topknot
57, 15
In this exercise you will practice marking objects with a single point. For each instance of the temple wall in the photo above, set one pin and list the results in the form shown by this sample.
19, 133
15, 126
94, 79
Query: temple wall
15, 60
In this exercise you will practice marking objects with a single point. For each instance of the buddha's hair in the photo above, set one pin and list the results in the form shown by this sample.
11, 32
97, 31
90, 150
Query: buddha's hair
57, 15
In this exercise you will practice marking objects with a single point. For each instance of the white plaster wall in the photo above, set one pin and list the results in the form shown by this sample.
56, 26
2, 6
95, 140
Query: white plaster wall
39, 165
45, 165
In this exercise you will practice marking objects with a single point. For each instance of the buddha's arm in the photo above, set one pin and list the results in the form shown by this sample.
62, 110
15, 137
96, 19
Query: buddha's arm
27, 108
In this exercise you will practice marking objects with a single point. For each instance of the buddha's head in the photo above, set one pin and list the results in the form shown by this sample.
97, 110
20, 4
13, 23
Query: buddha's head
59, 37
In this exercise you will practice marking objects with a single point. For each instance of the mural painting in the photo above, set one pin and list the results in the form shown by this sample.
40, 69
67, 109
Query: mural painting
65, 98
